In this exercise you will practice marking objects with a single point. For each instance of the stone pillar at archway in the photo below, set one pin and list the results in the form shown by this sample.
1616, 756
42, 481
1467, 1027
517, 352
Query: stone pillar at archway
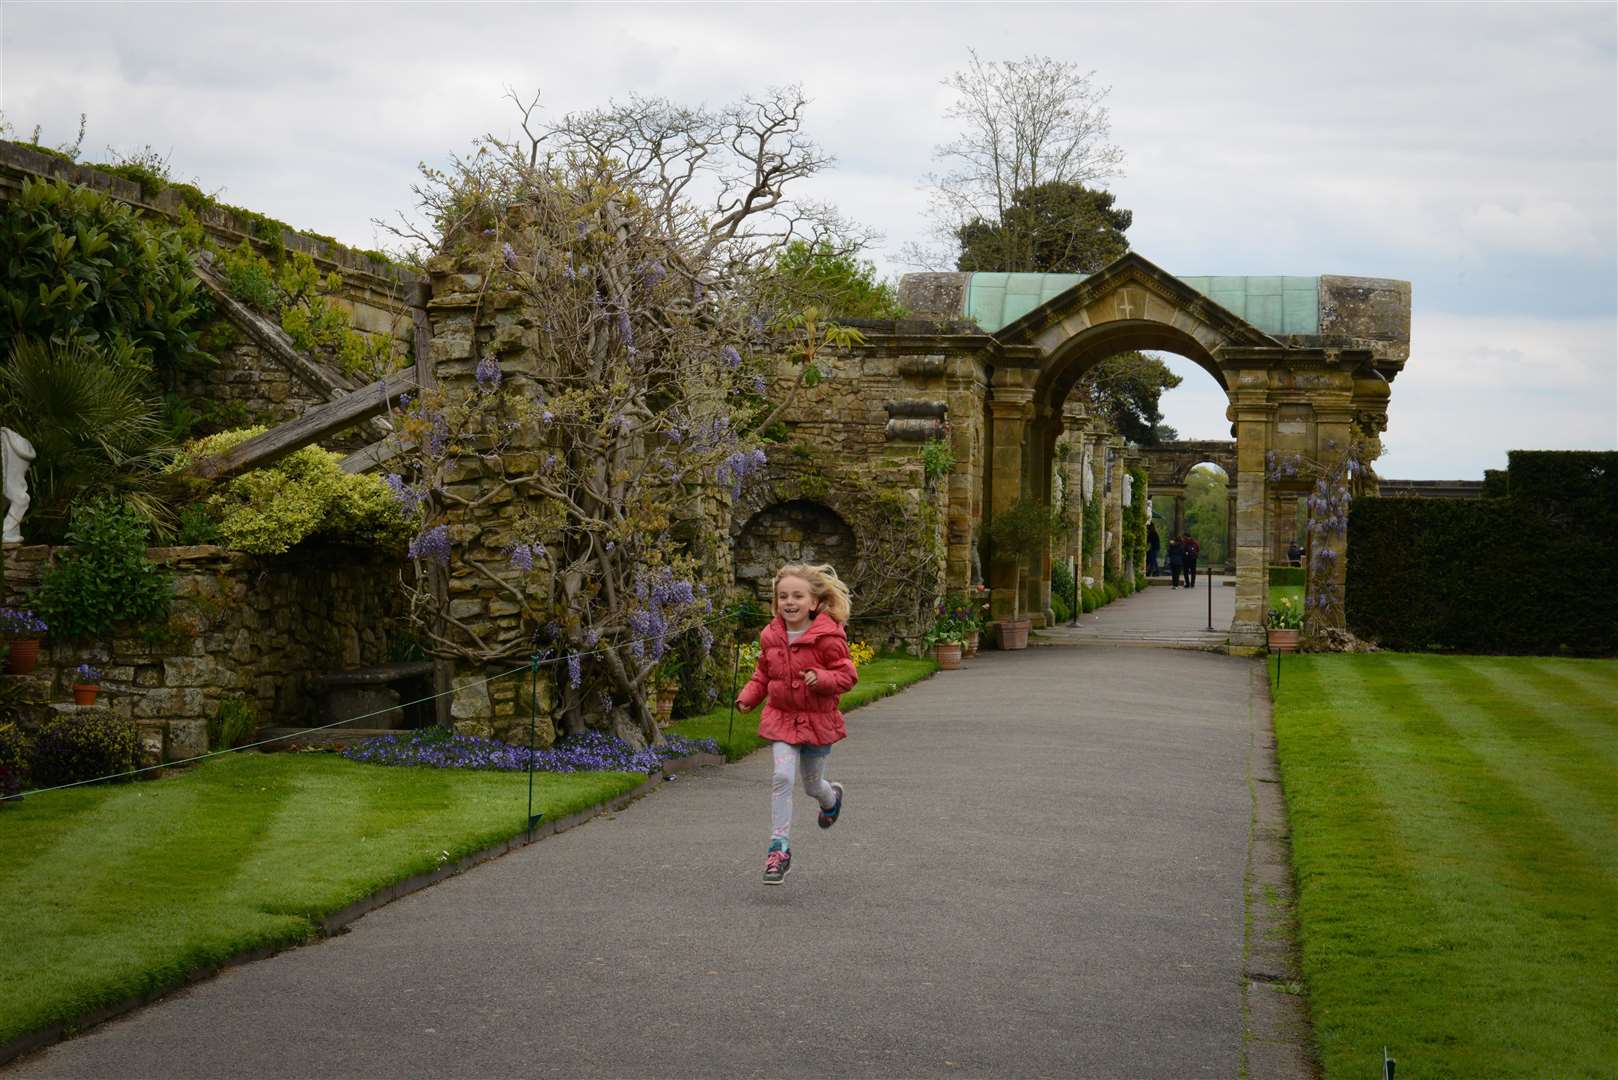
1010, 411
1252, 413
1230, 523
1179, 514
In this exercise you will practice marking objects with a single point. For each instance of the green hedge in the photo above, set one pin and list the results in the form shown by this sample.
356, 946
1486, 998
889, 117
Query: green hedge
1533, 573
1287, 575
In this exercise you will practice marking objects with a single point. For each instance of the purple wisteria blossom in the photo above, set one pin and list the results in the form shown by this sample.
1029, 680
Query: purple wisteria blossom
408, 496
510, 254
575, 670
731, 357
736, 468
488, 374
432, 544
523, 555
593, 751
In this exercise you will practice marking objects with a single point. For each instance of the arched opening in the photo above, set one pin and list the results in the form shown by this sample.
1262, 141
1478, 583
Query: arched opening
796, 530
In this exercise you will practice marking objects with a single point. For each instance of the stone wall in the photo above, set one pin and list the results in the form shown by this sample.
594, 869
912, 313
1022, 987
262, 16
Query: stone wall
244, 626
788, 532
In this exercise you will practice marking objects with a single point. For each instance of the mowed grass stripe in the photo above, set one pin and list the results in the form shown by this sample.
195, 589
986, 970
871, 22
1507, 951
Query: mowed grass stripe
1520, 739
1585, 695
128, 890
1527, 919
1360, 896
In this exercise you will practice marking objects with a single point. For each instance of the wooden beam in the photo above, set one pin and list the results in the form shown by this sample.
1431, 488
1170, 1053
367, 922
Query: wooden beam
315, 424
374, 456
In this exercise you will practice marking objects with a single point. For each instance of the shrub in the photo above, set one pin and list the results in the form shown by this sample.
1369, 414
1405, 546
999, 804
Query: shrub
1062, 581
304, 495
79, 265
85, 746
1287, 575
1060, 608
104, 579
15, 750
233, 725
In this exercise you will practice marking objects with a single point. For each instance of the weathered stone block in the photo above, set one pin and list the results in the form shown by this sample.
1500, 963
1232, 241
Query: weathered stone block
185, 738
170, 704
471, 700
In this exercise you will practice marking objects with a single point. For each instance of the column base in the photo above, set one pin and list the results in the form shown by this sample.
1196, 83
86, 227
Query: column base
1248, 635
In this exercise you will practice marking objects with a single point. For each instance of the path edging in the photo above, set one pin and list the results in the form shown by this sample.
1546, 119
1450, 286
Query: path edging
327, 925
1277, 1034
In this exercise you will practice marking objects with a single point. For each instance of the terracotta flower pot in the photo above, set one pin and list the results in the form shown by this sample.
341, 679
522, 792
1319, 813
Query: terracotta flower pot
665, 704
970, 645
948, 655
1014, 633
84, 693
23, 657
1283, 640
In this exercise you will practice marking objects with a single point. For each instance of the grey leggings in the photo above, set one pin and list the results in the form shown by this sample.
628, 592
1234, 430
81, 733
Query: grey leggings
789, 760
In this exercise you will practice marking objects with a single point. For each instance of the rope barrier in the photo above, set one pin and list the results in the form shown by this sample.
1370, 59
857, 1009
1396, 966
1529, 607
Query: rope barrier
537, 661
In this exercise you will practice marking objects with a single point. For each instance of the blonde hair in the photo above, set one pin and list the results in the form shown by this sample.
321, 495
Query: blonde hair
824, 585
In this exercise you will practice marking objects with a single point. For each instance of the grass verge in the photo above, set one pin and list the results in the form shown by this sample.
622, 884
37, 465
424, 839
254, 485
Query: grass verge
1455, 836
879, 678
112, 892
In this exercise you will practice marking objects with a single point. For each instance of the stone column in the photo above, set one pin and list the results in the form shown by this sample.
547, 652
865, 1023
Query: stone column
1252, 414
1333, 430
1009, 412
1179, 515
1230, 524
1036, 586
1115, 509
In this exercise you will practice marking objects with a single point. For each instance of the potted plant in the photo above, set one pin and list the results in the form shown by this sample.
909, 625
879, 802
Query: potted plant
24, 628
944, 637
1019, 535
86, 685
1283, 624
666, 686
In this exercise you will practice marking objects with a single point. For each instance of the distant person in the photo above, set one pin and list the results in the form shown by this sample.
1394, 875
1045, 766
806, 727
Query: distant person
1176, 560
1294, 554
1152, 546
1189, 550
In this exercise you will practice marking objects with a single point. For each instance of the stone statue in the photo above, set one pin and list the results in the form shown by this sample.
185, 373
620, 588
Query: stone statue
16, 454
1087, 481
1129, 488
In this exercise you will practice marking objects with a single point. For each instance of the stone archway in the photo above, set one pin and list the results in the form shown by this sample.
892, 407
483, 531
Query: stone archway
1169, 464
1309, 381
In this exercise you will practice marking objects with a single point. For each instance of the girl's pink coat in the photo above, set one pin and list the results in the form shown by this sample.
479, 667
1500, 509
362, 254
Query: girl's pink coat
795, 712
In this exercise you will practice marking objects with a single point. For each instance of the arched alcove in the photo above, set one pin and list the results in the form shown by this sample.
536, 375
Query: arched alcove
794, 530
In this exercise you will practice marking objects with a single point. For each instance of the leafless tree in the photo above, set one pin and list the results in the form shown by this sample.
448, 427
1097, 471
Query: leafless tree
1024, 123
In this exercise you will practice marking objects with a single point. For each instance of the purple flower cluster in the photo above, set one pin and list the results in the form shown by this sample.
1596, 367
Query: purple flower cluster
523, 555
593, 751
731, 357
575, 670
653, 272
432, 544
408, 497
739, 466
438, 437
21, 621
488, 374
661, 600
626, 329
87, 674
510, 254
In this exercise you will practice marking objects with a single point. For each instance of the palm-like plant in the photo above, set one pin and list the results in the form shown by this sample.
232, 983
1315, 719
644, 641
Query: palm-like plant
94, 429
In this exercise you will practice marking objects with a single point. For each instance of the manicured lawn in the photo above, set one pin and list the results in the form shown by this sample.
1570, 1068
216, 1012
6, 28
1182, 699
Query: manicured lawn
112, 891
879, 678
1455, 836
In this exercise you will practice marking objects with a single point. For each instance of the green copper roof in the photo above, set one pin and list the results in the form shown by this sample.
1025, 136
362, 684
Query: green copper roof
1275, 305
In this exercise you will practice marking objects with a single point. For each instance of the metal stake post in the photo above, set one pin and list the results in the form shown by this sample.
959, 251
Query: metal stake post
735, 675
1208, 573
533, 721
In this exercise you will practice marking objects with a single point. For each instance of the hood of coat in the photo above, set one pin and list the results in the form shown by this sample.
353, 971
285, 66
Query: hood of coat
820, 626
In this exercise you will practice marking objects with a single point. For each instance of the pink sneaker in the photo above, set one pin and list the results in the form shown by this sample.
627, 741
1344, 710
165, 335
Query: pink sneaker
776, 865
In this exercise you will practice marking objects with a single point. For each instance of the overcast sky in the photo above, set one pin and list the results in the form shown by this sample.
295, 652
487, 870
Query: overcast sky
1470, 149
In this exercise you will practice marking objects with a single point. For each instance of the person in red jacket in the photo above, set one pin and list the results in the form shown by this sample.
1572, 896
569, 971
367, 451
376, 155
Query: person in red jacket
803, 667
